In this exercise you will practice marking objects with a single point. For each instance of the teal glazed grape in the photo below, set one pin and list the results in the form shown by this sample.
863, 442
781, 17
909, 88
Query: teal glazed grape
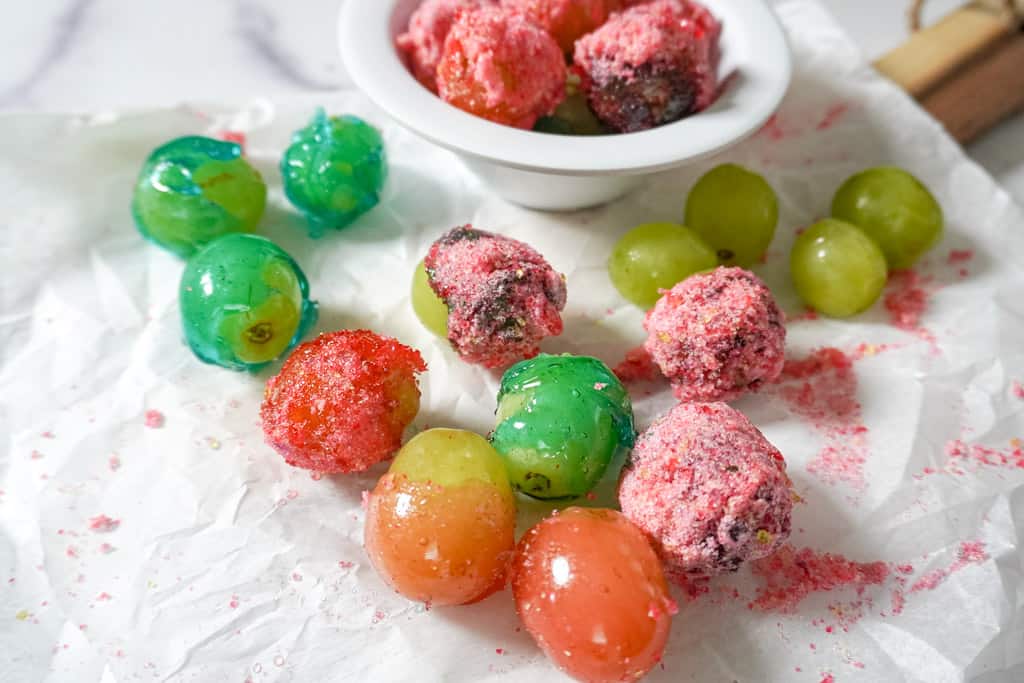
193, 190
334, 171
561, 421
244, 302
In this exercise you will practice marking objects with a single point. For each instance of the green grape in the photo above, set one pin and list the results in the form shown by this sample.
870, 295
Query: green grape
427, 305
837, 269
572, 117
656, 256
735, 211
894, 209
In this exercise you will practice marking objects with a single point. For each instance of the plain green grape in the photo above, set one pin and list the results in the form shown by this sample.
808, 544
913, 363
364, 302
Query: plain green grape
894, 209
735, 211
656, 256
837, 269
427, 305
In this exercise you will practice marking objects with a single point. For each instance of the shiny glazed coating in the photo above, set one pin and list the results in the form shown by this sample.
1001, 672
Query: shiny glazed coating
244, 302
561, 420
342, 401
717, 335
193, 190
334, 171
503, 298
591, 592
565, 20
708, 490
440, 525
500, 66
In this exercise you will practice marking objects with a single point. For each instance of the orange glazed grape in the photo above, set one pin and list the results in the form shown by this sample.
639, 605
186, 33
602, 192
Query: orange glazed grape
440, 525
565, 20
500, 66
591, 592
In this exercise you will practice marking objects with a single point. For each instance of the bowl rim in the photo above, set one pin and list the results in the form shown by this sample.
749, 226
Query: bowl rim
374, 65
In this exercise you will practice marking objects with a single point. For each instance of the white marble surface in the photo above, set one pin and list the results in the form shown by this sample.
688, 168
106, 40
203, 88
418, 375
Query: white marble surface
89, 55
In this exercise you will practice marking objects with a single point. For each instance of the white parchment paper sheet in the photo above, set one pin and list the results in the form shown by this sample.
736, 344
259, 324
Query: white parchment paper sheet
227, 565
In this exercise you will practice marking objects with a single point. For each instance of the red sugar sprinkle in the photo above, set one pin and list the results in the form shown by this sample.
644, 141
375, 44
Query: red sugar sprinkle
1017, 388
791, 575
154, 419
822, 388
345, 564
772, 130
104, 596
828, 678
233, 603
970, 552
103, 525
833, 116
960, 256
36, 455
48, 435
234, 136
984, 456
907, 299
499, 650
106, 548
637, 366
71, 551
114, 463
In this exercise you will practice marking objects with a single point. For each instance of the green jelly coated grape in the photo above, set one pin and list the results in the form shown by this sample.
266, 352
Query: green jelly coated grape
334, 171
244, 302
193, 190
656, 256
735, 210
837, 269
427, 305
561, 420
894, 209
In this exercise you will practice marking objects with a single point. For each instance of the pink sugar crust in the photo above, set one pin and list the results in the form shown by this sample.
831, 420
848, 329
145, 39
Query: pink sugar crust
335, 405
502, 296
515, 63
717, 335
708, 489
422, 43
677, 32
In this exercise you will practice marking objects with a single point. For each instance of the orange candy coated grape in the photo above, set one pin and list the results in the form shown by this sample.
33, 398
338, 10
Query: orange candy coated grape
591, 592
565, 20
440, 525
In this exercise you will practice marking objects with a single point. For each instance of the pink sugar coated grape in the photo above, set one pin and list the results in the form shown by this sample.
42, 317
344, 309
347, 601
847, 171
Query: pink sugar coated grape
423, 40
717, 335
500, 66
650, 64
708, 490
503, 298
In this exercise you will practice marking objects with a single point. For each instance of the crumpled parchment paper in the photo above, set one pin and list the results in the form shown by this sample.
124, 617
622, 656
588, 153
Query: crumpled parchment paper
147, 533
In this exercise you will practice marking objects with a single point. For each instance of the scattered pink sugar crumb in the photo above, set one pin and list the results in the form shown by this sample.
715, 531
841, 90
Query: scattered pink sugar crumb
977, 455
316, 476
499, 650
36, 455
71, 551
297, 577
106, 548
790, 575
772, 129
907, 297
379, 616
970, 552
234, 136
102, 524
828, 678
233, 603
154, 419
345, 564
114, 463
822, 389
833, 116
291, 494
104, 596
637, 366
806, 314
48, 435
1017, 388
865, 350
959, 256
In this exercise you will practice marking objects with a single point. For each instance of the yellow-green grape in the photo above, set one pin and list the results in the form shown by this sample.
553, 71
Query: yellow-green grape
427, 305
735, 211
837, 269
894, 209
656, 256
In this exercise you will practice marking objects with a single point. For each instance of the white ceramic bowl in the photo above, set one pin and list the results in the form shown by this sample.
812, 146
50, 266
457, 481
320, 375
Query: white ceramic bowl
560, 172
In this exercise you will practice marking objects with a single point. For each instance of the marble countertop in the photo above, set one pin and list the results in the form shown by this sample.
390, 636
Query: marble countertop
90, 55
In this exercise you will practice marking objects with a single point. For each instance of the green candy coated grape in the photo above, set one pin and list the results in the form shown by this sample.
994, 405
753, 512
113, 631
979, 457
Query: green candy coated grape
894, 209
244, 302
656, 256
735, 210
427, 305
334, 171
561, 420
837, 269
193, 190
